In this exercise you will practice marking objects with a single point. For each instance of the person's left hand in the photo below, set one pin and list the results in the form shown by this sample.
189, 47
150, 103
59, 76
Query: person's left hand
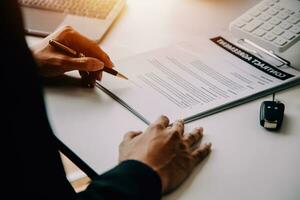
167, 150
53, 62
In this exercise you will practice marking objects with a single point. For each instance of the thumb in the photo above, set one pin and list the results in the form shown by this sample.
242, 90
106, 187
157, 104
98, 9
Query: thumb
85, 64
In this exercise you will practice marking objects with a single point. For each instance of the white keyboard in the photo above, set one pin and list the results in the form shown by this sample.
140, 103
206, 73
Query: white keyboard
89, 8
271, 24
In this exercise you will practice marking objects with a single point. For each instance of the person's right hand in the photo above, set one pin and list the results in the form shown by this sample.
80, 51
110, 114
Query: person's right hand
167, 150
53, 62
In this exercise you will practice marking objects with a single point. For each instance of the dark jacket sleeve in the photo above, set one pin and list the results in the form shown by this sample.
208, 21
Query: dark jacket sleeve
129, 180
32, 158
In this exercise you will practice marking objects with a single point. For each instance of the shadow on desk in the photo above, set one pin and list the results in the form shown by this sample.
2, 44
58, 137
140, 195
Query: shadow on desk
64, 81
69, 88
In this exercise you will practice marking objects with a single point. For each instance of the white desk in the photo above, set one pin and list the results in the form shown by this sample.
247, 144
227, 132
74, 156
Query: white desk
247, 162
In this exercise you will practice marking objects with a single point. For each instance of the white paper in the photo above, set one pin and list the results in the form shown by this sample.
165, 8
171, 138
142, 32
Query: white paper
187, 80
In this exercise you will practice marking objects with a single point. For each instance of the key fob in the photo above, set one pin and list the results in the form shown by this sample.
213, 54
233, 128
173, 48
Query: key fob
271, 115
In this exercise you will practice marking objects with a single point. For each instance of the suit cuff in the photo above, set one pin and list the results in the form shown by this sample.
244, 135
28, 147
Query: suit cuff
145, 177
131, 179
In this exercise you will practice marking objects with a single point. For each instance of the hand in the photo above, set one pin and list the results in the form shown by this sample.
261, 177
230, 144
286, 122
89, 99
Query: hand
53, 62
170, 152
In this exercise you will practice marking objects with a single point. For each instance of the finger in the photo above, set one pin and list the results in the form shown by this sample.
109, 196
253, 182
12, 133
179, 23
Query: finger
130, 135
98, 75
83, 64
201, 152
80, 43
194, 137
162, 121
87, 79
105, 58
85, 75
96, 51
178, 127
92, 77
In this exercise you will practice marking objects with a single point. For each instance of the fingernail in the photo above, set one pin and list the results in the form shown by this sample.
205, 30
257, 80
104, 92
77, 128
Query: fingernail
180, 120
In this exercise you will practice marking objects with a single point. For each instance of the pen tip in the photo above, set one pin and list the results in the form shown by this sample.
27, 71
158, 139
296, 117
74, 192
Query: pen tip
122, 76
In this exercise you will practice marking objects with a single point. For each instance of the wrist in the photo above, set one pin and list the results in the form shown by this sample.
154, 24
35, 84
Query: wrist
155, 182
164, 180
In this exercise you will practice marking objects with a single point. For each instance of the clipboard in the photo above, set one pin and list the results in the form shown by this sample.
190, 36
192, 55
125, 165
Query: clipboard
278, 66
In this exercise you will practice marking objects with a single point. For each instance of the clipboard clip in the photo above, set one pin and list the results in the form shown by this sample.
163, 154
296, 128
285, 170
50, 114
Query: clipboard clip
264, 54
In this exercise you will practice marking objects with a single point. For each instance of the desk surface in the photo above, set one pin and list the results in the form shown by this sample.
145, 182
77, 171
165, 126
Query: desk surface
247, 162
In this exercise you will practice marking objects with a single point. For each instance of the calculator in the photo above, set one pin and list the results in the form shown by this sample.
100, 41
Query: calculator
273, 25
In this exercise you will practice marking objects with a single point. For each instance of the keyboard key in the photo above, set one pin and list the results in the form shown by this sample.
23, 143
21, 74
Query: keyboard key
255, 13
294, 19
295, 29
277, 7
239, 24
277, 31
288, 35
272, 12
280, 41
271, 2
252, 26
247, 19
260, 32
267, 27
285, 25
283, 15
264, 17
263, 8
268, 4
270, 37
275, 21
288, 12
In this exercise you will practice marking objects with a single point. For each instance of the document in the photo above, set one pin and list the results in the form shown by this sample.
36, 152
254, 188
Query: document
194, 79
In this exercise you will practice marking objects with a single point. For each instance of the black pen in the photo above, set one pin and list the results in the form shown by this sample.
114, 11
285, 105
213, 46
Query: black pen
74, 53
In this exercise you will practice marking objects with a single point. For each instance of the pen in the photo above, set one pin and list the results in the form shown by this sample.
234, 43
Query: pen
74, 53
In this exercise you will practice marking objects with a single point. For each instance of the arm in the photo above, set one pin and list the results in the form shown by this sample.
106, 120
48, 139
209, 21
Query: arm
161, 150
131, 179
152, 163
